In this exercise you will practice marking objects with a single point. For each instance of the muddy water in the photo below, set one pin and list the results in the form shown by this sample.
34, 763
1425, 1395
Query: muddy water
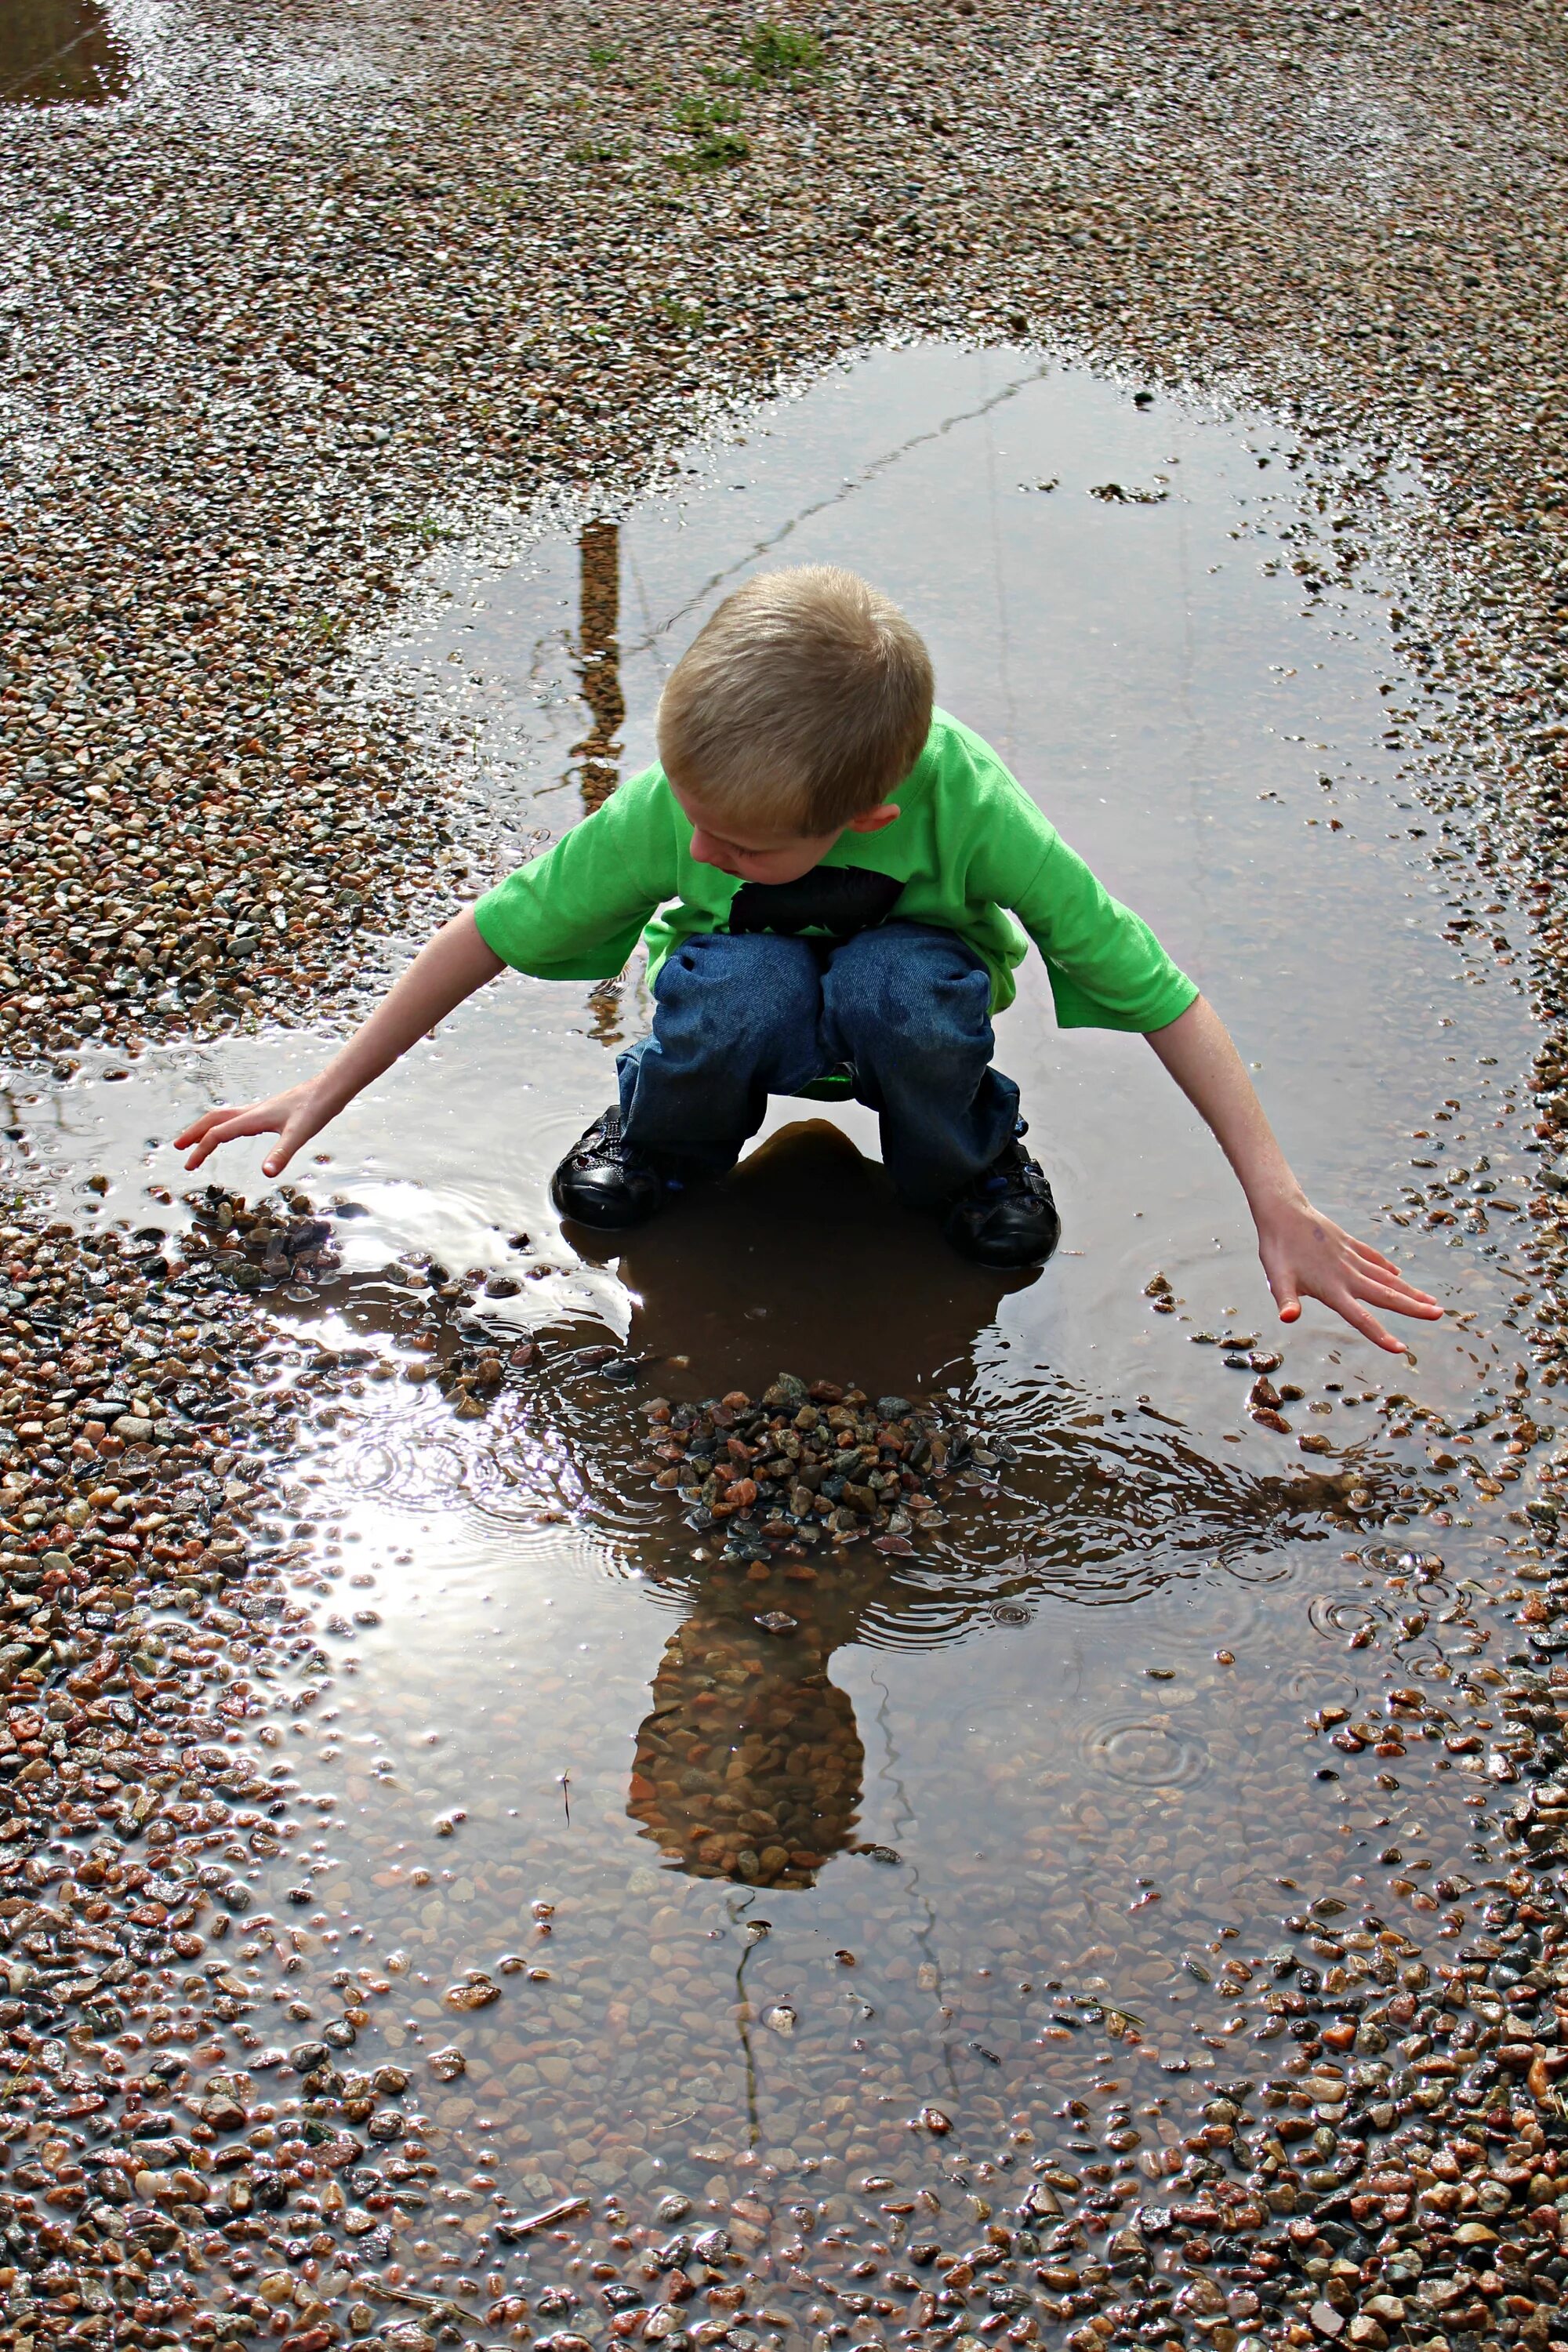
1051, 1766
55, 52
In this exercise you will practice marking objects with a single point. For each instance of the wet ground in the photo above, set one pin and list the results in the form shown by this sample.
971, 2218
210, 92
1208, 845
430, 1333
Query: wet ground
318, 294
840, 1873
58, 52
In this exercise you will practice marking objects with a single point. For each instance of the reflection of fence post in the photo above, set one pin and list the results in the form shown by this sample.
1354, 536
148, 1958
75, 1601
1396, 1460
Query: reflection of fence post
599, 655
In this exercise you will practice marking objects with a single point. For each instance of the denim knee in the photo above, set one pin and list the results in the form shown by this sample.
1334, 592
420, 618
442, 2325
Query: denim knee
909, 986
746, 989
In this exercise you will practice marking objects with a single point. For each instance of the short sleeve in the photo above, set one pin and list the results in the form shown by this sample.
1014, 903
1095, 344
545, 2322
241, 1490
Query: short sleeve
1107, 969
577, 911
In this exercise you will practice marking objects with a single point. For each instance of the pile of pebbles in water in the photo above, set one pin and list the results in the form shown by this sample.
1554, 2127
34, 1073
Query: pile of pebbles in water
807, 1464
751, 1767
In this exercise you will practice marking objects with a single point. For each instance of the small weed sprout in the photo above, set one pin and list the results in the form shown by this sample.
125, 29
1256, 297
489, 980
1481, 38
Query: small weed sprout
714, 143
782, 53
699, 114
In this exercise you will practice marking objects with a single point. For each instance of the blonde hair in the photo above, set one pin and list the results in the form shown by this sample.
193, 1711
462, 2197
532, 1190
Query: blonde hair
806, 699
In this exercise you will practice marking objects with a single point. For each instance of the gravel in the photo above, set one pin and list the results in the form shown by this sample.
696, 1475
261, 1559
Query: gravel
321, 292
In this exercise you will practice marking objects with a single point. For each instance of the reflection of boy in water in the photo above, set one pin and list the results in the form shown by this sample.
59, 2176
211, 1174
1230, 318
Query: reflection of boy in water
749, 1765
836, 884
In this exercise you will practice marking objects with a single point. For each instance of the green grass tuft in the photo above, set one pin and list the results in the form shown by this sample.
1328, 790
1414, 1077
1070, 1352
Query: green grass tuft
708, 123
781, 52
713, 150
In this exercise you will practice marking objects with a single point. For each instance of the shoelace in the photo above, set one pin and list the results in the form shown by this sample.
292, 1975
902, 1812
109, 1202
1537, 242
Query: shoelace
1016, 1178
611, 1150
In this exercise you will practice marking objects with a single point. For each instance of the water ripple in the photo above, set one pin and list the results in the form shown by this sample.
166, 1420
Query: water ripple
1341, 1614
1147, 1751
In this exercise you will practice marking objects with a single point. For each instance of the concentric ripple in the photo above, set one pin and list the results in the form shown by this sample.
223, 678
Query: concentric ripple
1342, 1614
1147, 1751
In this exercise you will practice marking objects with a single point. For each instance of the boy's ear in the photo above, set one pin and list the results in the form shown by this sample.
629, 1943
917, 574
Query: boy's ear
874, 819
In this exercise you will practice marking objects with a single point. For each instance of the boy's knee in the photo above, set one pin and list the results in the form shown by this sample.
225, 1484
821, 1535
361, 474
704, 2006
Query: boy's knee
719, 960
936, 995
752, 985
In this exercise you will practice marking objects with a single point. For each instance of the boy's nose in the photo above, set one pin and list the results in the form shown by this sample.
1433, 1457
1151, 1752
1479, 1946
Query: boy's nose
706, 853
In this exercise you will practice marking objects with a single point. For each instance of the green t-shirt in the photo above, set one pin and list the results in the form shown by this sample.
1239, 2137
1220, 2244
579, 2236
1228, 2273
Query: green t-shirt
968, 852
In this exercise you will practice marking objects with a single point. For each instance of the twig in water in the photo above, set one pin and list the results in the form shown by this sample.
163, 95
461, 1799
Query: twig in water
510, 2231
438, 2305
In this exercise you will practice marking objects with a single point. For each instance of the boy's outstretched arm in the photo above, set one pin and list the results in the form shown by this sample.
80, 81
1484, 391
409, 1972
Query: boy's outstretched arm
454, 963
1304, 1254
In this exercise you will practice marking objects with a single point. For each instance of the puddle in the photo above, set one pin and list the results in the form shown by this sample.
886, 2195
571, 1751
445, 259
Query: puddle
60, 52
1035, 1775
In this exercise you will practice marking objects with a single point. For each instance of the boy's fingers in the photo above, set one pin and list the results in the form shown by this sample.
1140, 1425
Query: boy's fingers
1401, 1297
1367, 1323
211, 1136
1382, 1271
290, 1136
202, 1126
209, 1119
1284, 1291
1395, 1298
1372, 1281
226, 1127
1397, 1302
1365, 1254
1366, 1249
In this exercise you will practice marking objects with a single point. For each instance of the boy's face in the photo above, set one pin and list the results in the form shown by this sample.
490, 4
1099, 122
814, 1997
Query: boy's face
763, 854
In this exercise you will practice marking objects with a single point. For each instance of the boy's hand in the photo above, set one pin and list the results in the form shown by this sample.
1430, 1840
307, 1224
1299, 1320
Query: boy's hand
1306, 1254
442, 975
294, 1116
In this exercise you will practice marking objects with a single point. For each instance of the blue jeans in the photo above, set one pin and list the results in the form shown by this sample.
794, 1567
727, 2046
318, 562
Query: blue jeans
906, 1006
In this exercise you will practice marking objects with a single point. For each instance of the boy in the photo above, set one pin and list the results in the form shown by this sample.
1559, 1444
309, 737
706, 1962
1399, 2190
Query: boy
827, 873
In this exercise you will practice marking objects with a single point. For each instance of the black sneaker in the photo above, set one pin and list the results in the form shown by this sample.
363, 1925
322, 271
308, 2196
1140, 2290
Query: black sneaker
1005, 1217
604, 1181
